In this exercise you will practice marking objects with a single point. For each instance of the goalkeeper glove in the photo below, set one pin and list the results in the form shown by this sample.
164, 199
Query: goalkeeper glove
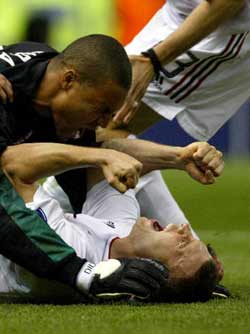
113, 278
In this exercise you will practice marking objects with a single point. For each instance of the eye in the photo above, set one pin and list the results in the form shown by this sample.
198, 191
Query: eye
182, 245
184, 239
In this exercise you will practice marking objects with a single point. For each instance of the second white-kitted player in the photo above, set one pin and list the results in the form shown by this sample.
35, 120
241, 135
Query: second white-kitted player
200, 52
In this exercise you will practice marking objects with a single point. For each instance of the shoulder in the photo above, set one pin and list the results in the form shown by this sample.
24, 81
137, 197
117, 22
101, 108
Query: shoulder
19, 54
26, 47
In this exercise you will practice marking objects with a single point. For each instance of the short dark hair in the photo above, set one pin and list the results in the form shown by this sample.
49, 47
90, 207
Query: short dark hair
197, 288
98, 58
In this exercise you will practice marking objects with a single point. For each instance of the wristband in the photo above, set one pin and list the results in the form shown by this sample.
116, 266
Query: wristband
85, 277
150, 53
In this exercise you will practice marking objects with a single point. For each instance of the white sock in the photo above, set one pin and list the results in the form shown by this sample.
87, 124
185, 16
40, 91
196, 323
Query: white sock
157, 202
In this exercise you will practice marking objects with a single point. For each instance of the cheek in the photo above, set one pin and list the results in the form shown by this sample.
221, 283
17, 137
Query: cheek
61, 105
90, 115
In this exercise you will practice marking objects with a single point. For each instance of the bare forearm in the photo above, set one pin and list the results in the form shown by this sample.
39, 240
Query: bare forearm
30, 162
206, 17
153, 156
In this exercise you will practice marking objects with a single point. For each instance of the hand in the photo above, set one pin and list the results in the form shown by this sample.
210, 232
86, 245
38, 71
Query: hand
142, 75
104, 134
6, 92
121, 170
114, 278
202, 162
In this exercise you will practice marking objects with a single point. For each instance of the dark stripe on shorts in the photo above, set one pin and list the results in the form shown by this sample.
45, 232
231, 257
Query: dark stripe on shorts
212, 61
213, 69
196, 66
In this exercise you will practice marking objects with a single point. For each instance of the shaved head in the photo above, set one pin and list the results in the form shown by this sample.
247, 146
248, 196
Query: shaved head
98, 59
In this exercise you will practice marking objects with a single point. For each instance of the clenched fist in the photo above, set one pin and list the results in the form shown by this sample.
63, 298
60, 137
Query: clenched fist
202, 161
121, 170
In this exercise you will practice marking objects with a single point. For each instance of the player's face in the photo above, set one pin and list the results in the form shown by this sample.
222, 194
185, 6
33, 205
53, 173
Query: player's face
174, 246
83, 106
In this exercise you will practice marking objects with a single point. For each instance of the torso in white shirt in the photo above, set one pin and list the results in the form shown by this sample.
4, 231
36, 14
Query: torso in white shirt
90, 234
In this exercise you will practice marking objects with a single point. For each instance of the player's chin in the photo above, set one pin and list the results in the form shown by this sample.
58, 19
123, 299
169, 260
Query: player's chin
151, 225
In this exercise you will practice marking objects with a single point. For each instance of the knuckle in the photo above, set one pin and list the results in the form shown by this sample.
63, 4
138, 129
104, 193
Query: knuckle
111, 180
220, 154
198, 155
139, 167
203, 144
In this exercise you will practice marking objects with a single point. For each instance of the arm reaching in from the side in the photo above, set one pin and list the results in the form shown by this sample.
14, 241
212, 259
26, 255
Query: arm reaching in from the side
200, 160
202, 21
26, 163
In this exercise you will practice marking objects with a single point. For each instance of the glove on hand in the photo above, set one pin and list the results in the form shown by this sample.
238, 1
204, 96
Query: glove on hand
114, 278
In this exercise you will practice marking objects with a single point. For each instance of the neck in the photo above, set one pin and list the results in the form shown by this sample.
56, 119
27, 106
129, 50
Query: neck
121, 248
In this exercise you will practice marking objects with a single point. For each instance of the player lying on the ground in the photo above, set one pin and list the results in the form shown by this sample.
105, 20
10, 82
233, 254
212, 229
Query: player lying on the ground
187, 258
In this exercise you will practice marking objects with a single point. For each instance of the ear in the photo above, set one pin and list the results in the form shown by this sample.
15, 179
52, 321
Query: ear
69, 78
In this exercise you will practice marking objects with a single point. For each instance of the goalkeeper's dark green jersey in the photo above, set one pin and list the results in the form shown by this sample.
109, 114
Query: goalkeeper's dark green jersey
24, 237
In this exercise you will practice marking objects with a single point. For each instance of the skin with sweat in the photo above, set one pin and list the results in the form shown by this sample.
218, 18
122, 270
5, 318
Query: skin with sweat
174, 246
75, 105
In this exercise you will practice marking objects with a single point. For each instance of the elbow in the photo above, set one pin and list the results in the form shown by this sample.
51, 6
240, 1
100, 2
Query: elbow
10, 165
7, 161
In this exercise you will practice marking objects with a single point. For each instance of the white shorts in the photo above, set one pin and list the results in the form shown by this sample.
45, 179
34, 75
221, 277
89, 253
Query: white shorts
205, 86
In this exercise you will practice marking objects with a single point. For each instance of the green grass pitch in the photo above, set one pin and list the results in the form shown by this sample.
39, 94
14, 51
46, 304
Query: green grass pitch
221, 215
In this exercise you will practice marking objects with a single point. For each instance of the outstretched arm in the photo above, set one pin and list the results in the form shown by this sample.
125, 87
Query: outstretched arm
200, 160
25, 164
204, 19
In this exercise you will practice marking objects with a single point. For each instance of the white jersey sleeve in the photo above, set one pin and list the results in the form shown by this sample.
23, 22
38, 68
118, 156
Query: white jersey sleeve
102, 202
88, 235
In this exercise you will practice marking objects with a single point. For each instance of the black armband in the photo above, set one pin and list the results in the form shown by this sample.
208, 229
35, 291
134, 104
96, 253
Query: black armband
150, 53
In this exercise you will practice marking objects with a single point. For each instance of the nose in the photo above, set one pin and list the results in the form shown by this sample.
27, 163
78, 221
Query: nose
185, 230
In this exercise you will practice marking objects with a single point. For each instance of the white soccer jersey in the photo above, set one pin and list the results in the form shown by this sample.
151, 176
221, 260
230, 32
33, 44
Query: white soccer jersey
205, 86
90, 237
175, 12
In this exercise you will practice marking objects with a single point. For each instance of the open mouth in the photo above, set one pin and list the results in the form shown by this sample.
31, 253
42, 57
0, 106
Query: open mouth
157, 227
